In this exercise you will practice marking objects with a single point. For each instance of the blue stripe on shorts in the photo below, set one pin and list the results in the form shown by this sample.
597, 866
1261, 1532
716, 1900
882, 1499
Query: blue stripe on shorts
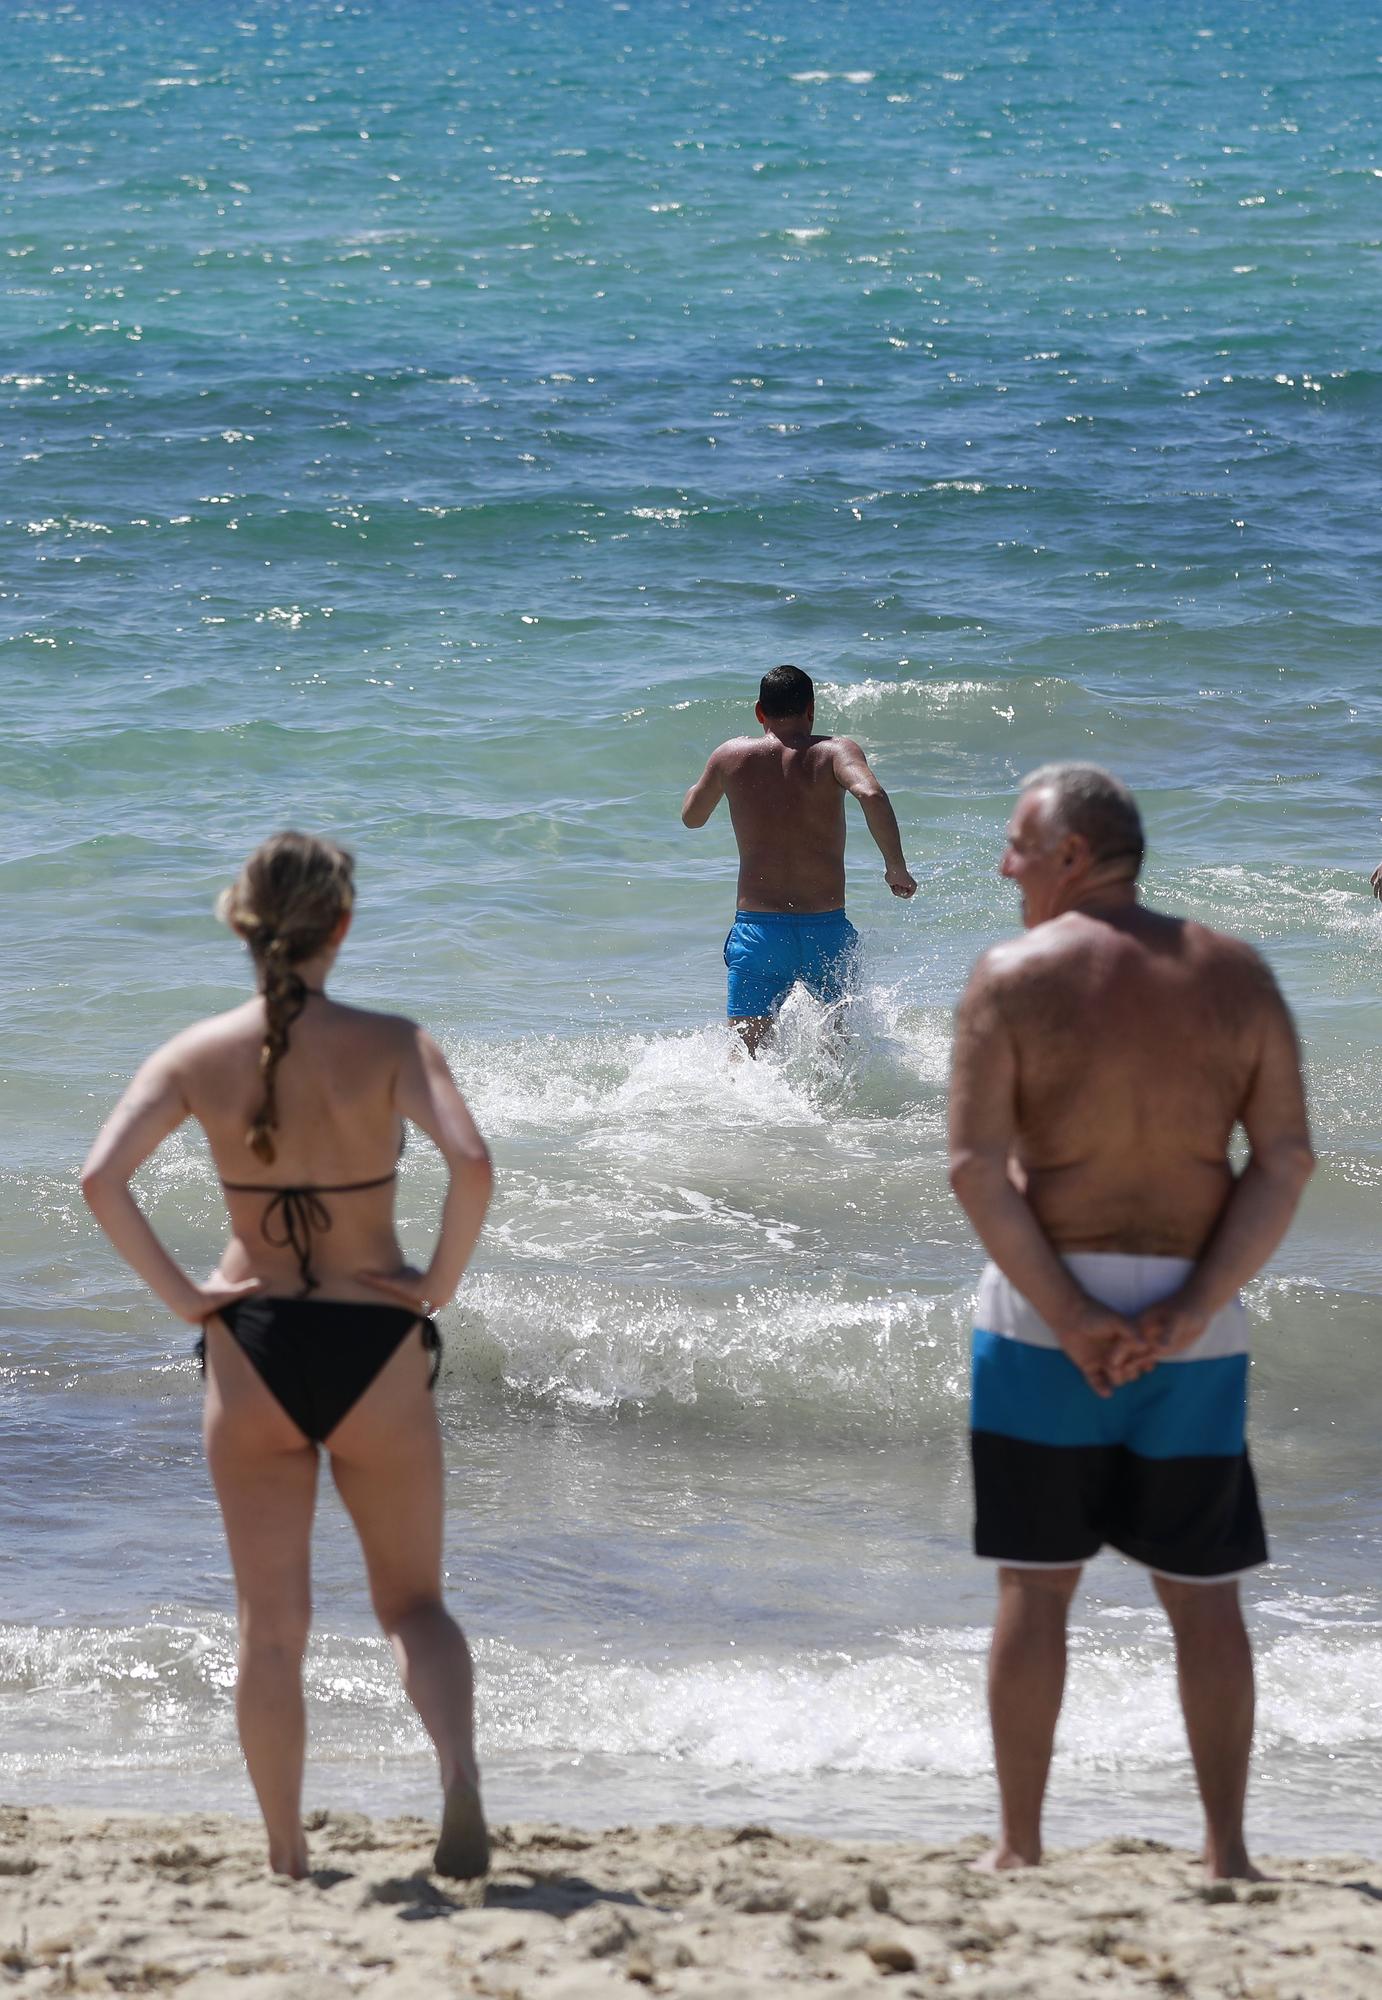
1190, 1409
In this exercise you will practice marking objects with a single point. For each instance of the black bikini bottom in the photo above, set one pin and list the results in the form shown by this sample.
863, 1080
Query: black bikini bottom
318, 1356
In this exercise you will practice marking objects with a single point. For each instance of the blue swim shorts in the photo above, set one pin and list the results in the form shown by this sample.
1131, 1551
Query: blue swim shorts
1159, 1469
769, 951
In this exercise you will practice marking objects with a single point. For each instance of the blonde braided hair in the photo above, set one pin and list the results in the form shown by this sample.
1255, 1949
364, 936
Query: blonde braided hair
285, 903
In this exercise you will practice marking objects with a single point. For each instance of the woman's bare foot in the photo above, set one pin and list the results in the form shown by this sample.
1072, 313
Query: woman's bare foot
463, 1845
290, 1861
1003, 1858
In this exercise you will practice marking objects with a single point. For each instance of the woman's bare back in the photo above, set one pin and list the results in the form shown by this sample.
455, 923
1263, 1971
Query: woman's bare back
338, 1125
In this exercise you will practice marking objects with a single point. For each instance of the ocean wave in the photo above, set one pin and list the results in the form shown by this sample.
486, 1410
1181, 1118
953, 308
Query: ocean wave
839, 1352
833, 1354
82, 1701
1276, 901
853, 697
920, 1708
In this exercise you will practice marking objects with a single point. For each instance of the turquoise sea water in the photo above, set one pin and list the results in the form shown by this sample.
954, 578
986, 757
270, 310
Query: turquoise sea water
425, 423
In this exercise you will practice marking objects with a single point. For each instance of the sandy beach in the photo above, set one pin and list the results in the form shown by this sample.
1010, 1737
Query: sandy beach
137, 1903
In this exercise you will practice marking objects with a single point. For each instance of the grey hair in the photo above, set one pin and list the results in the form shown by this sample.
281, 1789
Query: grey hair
1095, 804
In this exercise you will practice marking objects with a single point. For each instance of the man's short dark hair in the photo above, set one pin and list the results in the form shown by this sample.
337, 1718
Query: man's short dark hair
786, 691
1089, 801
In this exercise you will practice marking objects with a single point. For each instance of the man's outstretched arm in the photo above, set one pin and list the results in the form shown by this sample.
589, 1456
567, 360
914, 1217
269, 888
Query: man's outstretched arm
852, 771
703, 797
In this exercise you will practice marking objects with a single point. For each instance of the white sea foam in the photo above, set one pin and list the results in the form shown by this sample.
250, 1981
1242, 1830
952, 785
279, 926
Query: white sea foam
87, 1702
1275, 901
627, 1083
846, 696
832, 1354
637, 1085
922, 1709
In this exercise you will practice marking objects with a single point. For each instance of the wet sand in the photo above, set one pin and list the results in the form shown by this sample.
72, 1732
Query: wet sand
136, 1903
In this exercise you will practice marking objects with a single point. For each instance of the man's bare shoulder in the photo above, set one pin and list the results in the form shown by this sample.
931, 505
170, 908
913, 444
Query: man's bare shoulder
993, 972
1222, 948
1075, 933
735, 750
1017, 959
1235, 967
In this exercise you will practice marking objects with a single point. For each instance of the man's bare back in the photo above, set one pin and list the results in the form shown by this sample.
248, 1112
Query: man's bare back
1137, 1038
1101, 1063
786, 791
787, 806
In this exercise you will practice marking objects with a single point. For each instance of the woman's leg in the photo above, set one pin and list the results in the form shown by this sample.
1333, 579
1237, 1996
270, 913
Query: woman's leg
265, 1475
386, 1459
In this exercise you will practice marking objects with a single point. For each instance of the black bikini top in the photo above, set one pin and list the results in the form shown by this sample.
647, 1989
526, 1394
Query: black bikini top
297, 1211
294, 1212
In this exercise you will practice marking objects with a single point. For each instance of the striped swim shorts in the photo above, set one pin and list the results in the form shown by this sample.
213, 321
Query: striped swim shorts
1159, 1470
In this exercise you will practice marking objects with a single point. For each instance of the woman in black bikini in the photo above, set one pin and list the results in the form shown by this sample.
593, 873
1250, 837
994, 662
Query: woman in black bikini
303, 1102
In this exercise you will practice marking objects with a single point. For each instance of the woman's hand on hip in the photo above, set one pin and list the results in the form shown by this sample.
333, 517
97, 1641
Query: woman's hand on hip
405, 1287
212, 1297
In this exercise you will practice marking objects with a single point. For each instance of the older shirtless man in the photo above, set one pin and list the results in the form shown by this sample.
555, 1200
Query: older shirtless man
1101, 1064
786, 792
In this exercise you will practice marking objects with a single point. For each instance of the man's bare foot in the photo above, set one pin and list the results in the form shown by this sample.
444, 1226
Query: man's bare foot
292, 1862
1002, 1859
462, 1849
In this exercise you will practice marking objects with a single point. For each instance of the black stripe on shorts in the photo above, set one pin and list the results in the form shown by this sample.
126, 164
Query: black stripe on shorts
1192, 1517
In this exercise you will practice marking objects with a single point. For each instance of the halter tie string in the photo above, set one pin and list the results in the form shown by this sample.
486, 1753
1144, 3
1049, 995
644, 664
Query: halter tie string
295, 1213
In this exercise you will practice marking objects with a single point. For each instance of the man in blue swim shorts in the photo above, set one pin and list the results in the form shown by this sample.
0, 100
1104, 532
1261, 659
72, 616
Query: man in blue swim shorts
786, 792
1102, 1062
